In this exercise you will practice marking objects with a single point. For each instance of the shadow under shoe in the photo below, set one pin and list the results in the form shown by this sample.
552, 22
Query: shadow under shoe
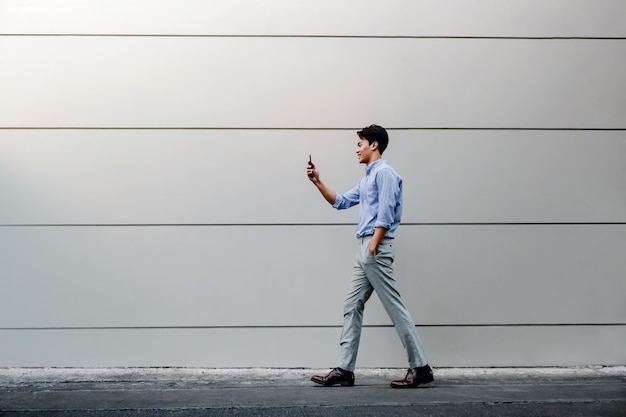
336, 376
415, 377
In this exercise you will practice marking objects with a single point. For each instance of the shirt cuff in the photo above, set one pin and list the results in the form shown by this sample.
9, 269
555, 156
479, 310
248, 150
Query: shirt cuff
338, 201
386, 226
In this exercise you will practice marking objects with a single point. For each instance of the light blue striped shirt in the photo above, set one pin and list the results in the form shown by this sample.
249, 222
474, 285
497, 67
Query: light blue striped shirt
380, 195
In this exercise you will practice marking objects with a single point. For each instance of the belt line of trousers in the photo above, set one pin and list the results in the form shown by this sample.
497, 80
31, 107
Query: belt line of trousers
370, 274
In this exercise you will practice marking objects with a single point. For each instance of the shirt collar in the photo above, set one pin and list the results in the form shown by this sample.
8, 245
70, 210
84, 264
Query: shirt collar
370, 167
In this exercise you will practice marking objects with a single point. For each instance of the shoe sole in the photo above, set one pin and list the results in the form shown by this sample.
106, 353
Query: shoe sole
342, 384
412, 386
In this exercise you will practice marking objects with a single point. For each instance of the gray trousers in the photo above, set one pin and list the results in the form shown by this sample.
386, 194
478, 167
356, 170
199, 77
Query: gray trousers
376, 274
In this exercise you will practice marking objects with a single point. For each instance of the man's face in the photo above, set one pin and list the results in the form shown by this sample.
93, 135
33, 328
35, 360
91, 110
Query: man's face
364, 151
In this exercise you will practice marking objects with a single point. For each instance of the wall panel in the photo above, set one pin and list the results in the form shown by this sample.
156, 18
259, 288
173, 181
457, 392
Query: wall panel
322, 17
297, 276
310, 82
293, 348
251, 177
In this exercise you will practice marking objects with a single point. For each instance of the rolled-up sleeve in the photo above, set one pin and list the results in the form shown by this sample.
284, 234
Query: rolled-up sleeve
348, 199
388, 198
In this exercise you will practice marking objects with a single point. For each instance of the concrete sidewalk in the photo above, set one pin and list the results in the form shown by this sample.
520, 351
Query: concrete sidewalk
588, 391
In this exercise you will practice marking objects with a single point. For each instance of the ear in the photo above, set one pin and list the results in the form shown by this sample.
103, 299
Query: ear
374, 145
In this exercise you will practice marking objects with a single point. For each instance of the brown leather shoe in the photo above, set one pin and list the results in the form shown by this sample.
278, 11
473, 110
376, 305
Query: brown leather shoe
336, 376
415, 377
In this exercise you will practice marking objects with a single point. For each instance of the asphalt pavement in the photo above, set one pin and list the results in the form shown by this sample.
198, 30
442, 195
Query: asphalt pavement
177, 392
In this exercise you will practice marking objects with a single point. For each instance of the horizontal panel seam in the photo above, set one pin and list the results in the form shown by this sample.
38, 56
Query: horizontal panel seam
313, 36
303, 224
330, 326
567, 129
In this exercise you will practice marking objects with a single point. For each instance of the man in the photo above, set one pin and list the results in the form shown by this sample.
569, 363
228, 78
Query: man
380, 195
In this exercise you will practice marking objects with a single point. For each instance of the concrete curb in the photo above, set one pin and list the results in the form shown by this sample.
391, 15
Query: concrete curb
250, 376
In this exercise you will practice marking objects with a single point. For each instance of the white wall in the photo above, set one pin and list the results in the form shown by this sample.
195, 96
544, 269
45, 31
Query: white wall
154, 208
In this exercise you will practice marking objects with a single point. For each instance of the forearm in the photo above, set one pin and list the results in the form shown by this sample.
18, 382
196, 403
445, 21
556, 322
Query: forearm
328, 194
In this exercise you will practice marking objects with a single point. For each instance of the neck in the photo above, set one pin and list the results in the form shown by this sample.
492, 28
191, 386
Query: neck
373, 159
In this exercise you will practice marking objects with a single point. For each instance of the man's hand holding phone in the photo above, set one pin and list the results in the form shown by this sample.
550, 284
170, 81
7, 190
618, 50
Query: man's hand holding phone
311, 172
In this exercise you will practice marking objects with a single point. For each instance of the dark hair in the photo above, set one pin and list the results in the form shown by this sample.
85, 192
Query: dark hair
375, 133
